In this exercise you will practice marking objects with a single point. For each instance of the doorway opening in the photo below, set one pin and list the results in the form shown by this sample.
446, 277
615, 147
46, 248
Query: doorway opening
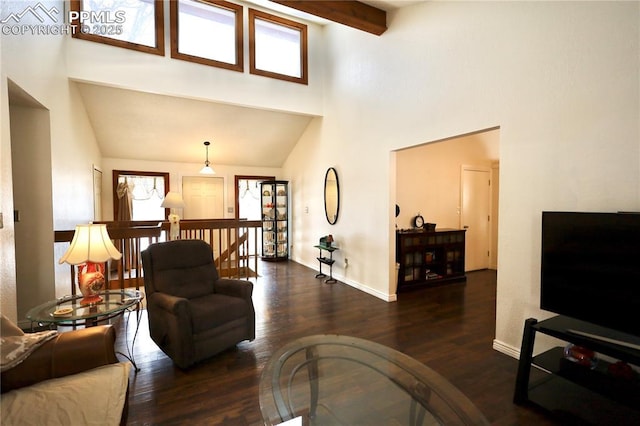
248, 202
247, 196
30, 139
454, 183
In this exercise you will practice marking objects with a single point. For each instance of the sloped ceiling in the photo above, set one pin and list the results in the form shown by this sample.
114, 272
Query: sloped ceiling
144, 126
129, 124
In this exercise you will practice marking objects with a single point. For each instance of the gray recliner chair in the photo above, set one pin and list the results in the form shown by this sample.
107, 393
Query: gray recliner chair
194, 314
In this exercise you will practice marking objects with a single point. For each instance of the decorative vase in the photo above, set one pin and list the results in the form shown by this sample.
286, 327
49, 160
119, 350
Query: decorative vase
91, 282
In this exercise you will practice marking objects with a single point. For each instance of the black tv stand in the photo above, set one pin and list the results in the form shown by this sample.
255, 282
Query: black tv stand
575, 393
626, 343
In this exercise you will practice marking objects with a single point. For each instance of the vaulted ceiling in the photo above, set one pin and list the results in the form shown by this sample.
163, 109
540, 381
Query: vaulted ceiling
136, 125
144, 126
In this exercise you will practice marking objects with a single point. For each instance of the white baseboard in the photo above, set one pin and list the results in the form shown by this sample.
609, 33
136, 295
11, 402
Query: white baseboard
380, 295
506, 349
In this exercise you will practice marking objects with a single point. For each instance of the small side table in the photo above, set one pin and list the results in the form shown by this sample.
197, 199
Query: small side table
326, 261
67, 311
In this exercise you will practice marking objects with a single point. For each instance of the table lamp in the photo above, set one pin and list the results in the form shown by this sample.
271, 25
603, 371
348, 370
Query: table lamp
90, 248
173, 200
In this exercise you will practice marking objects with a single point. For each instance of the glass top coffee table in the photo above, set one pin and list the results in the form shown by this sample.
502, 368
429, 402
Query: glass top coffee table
341, 380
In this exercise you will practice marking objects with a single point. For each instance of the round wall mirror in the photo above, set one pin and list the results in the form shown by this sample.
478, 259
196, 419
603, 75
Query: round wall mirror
331, 195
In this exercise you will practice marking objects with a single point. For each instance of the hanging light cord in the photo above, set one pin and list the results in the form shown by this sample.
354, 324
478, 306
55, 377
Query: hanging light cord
206, 144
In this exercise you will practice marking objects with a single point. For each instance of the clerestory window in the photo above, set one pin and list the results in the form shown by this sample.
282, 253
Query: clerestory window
207, 32
277, 47
132, 24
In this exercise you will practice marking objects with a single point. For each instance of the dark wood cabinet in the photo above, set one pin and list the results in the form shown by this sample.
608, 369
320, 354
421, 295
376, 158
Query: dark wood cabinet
429, 257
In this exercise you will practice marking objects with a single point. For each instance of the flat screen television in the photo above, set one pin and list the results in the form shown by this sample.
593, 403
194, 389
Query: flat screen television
590, 268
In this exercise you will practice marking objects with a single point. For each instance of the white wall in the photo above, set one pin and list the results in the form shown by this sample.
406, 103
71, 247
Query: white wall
31, 144
176, 172
8, 291
128, 69
559, 78
35, 63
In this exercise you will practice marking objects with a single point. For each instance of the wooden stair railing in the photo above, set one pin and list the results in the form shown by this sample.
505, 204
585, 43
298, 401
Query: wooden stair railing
130, 241
234, 243
231, 241
231, 250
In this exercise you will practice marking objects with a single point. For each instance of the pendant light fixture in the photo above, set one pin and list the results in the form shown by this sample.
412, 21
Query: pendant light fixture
207, 170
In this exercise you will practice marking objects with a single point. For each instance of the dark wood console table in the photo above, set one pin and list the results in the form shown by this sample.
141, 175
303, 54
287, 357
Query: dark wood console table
326, 261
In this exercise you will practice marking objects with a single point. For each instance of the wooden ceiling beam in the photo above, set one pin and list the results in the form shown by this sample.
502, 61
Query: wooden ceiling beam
351, 13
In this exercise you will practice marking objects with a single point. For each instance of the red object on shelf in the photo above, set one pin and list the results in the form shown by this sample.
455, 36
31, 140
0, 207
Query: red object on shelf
580, 355
621, 370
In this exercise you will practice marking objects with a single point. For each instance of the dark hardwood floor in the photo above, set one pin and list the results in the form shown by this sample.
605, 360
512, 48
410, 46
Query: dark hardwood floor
448, 328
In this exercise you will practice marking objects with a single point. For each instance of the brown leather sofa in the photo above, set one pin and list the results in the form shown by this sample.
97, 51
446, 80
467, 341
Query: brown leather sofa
66, 355
193, 313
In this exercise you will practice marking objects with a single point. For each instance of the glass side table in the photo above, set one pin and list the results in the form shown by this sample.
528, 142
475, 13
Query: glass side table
67, 311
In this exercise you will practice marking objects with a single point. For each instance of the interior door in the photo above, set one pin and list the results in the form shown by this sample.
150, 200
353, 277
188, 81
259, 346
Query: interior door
203, 197
475, 216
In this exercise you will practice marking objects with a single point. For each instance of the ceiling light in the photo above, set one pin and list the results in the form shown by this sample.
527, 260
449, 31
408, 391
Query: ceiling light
206, 170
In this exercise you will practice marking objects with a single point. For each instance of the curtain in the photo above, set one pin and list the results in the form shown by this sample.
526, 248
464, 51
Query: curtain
125, 211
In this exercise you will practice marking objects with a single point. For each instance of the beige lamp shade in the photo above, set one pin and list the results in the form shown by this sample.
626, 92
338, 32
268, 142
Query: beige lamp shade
173, 200
90, 243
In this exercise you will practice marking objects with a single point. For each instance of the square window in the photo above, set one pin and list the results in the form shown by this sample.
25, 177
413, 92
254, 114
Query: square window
132, 24
207, 32
277, 47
